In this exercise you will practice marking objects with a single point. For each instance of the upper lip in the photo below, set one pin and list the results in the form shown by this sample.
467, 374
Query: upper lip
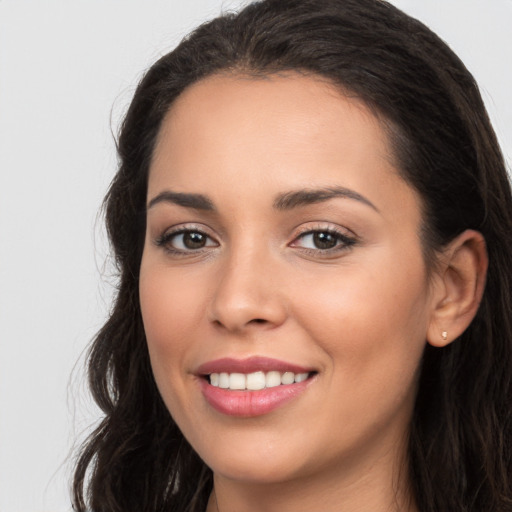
249, 365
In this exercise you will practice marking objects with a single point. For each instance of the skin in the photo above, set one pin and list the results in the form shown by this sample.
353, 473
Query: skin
359, 314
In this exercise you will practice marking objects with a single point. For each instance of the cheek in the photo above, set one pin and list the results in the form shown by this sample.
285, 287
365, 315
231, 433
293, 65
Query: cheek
374, 336
171, 308
371, 319
171, 304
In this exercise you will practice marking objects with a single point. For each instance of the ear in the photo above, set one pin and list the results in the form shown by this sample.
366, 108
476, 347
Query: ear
458, 287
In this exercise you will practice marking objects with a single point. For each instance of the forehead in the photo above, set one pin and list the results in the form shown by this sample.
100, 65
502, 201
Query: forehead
294, 106
271, 133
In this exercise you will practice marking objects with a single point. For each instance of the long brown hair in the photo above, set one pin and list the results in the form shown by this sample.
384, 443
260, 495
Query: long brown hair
460, 446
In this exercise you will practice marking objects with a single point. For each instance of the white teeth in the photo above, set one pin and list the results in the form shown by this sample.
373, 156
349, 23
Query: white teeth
224, 380
256, 380
287, 378
273, 379
237, 381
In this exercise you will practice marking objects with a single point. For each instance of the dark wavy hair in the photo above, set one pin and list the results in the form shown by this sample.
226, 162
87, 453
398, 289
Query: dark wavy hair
460, 443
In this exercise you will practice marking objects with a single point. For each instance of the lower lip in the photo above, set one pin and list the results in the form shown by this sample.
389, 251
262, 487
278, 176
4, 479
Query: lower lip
246, 404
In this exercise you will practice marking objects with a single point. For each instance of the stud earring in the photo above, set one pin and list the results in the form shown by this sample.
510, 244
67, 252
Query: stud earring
444, 335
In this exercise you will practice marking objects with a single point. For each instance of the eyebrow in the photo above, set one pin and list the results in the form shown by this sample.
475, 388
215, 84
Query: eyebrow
305, 197
286, 201
196, 201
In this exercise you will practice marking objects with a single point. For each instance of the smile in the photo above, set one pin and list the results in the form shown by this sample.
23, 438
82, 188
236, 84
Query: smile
256, 380
254, 386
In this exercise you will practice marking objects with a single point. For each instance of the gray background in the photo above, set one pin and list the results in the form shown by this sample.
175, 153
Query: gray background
67, 71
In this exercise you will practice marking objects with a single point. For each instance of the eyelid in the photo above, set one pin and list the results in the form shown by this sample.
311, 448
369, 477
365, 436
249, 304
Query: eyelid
164, 239
347, 237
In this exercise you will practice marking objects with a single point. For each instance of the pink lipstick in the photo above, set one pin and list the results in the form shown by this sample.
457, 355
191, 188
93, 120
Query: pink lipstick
253, 386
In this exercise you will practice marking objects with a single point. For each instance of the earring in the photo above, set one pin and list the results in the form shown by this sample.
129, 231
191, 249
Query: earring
444, 335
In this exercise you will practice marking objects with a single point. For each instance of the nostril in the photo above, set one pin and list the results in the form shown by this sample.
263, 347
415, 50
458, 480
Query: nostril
258, 321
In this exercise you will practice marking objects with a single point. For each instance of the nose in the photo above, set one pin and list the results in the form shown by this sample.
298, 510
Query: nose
247, 294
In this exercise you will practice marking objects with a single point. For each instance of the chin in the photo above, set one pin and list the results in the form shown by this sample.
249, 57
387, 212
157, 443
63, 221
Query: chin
255, 470
256, 457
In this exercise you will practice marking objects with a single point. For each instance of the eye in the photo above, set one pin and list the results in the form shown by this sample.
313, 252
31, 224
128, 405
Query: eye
323, 240
185, 240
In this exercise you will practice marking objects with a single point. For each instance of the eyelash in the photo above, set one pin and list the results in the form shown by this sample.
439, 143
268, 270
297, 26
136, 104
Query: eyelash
166, 239
343, 242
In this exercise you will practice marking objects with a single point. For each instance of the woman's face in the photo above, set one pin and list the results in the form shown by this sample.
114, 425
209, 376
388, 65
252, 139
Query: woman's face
282, 246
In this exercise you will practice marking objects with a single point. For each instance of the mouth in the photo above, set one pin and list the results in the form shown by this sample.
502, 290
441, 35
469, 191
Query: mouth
253, 386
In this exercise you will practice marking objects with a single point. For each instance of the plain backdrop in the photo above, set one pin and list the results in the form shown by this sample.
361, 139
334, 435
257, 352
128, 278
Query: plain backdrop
67, 72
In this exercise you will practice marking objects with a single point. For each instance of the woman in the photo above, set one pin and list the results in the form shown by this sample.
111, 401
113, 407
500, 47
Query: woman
312, 224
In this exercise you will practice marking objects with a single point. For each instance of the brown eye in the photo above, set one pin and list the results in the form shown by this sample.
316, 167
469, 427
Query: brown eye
185, 240
194, 240
324, 240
